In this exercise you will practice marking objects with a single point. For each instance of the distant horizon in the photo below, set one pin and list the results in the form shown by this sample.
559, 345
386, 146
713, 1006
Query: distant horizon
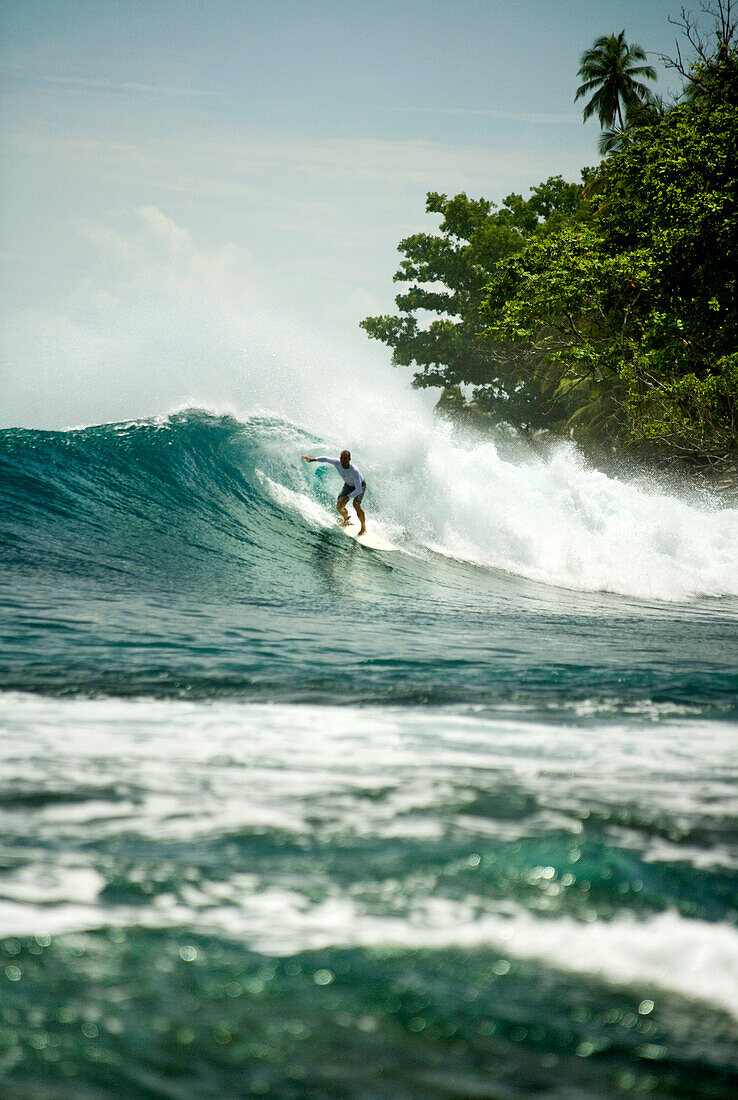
193, 194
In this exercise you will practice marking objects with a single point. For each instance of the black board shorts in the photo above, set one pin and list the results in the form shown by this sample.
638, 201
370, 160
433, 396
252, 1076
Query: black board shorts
348, 489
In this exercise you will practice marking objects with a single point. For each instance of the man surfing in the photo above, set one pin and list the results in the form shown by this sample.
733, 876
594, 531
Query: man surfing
353, 489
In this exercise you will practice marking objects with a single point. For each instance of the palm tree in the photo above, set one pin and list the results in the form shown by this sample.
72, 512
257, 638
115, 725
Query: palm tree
609, 70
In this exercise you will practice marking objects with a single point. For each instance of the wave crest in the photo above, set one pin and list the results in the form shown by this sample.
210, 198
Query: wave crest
193, 485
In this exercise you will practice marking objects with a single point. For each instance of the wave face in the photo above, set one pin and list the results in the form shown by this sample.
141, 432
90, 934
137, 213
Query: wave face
160, 497
177, 555
459, 820
140, 503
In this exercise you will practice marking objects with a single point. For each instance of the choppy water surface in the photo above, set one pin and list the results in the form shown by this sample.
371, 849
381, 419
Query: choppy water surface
281, 817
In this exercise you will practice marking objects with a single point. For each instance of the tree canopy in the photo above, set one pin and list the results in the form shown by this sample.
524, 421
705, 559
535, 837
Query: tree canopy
638, 311
607, 307
447, 274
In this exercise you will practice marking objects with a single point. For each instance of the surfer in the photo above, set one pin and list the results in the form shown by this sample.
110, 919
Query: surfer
353, 489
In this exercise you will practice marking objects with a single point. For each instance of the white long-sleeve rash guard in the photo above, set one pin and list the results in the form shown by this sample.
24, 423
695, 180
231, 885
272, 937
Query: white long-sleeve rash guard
350, 474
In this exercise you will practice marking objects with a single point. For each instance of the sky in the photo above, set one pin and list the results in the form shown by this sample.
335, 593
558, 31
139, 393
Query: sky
201, 199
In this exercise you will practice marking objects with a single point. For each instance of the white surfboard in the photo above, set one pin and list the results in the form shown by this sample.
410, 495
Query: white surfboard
370, 540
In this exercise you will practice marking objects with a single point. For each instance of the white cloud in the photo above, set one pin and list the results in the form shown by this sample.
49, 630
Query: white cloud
37, 77
254, 170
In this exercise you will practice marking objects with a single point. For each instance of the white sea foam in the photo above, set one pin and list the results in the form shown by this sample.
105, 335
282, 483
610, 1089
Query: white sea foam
321, 762
554, 520
210, 770
662, 953
178, 771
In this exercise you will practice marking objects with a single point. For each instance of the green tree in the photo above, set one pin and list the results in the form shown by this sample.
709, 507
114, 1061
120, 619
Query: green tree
674, 194
437, 327
610, 72
635, 317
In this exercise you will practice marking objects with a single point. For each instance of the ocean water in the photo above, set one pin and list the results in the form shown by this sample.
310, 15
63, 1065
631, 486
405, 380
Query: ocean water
281, 817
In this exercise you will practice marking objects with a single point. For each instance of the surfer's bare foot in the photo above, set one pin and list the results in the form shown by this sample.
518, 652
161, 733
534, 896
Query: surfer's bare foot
344, 523
361, 532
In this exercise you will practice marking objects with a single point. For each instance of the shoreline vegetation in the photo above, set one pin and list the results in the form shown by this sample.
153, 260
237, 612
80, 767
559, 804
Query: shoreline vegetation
603, 311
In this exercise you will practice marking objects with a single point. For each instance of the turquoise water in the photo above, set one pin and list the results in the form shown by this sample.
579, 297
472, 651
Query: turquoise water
283, 817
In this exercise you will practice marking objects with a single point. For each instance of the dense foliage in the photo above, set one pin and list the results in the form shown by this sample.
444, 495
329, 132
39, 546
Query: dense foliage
639, 311
448, 274
611, 308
